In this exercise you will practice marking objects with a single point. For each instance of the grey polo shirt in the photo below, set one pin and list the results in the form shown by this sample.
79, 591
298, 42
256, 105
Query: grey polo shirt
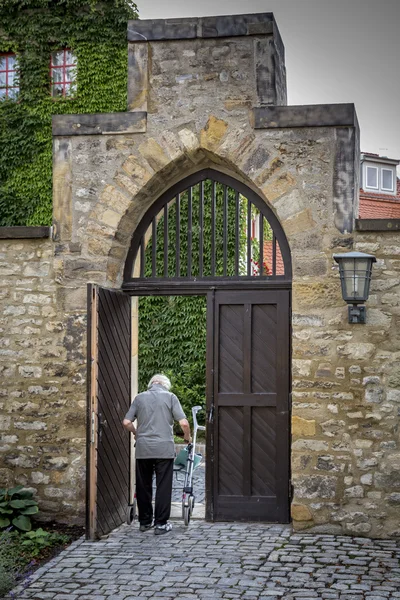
155, 411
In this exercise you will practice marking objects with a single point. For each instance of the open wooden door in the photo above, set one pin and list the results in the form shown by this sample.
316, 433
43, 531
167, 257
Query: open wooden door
109, 397
249, 412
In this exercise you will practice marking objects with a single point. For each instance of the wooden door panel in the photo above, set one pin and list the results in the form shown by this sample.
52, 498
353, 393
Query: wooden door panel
263, 354
263, 444
231, 349
230, 460
109, 358
250, 433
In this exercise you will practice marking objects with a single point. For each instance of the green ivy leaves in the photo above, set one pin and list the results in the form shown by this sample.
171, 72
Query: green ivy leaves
96, 31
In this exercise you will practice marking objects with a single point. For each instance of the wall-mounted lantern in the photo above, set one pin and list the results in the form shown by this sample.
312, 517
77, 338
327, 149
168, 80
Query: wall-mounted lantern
355, 270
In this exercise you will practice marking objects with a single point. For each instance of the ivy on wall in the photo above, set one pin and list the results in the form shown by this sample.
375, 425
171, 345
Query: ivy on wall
32, 29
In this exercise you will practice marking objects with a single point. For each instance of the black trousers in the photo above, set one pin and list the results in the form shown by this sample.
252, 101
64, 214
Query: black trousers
145, 468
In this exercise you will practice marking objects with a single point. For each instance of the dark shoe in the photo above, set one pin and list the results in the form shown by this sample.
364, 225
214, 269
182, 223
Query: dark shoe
160, 529
147, 527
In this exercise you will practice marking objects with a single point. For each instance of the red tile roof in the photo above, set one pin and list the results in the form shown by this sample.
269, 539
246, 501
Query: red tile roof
280, 268
379, 206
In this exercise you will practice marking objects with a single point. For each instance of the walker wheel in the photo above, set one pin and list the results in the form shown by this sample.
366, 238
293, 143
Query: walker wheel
191, 504
186, 515
131, 513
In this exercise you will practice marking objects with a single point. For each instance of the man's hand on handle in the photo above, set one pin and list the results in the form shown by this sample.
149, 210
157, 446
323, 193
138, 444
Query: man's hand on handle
184, 423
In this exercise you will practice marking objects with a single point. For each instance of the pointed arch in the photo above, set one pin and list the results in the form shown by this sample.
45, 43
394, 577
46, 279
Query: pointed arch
237, 217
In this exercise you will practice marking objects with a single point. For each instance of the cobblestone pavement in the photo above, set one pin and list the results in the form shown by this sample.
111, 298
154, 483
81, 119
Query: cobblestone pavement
230, 561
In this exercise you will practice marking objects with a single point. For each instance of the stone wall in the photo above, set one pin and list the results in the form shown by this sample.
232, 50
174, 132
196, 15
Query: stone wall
42, 367
346, 399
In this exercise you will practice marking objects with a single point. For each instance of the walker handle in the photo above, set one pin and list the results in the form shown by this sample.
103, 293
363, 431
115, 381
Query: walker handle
201, 427
195, 410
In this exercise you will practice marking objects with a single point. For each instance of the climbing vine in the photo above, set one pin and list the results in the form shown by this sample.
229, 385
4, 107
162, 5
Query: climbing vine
32, 29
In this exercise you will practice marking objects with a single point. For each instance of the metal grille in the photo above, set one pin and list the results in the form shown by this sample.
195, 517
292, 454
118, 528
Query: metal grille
208, 227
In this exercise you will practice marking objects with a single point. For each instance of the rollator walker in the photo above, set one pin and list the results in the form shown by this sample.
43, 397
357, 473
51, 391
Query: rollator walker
186, 462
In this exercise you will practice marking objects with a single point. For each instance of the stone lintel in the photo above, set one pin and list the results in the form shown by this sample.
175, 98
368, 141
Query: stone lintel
100, 124
377, 224
19, 232
152, 30
313, 115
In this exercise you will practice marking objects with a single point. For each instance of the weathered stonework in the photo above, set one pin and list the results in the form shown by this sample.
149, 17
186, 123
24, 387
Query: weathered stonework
199, 94
42, 366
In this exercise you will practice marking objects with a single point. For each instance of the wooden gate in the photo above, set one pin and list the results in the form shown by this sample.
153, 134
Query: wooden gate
109, 395
209, 234
248, 389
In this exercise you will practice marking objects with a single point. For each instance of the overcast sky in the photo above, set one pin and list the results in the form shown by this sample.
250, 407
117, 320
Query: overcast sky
336, 51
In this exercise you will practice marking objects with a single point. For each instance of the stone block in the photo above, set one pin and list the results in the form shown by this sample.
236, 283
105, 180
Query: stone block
5, 423
189, 139
136, 171
37, 477
362, 528
154, 154
301, 368
213, 133
30, 371
357, 491
301, 427
299, 223
311, 445
393, 395
356, 351
300, 512
316, 295
315, 486
277, 187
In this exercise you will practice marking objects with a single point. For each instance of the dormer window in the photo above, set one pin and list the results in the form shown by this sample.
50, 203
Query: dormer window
378, 174
63, 73
9, 87
387, 180
372, 178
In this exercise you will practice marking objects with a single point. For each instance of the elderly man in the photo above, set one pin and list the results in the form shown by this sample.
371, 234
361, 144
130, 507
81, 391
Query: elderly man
155, 411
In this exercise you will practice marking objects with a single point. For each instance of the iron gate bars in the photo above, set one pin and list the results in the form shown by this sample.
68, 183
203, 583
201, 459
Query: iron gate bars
208, 227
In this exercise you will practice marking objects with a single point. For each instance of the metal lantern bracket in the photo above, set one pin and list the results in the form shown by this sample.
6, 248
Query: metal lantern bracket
357, 314
355, 270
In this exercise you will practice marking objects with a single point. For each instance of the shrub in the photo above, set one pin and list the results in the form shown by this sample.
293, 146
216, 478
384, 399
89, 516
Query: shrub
36, 541
16, 508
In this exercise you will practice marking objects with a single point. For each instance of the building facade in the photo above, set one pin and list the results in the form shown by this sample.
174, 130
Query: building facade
210, 94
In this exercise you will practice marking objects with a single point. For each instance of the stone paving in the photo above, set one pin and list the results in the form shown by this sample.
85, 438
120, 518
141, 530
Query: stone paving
227, 561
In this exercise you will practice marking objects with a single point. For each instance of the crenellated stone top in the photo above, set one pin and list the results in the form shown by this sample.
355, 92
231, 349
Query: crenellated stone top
152, 30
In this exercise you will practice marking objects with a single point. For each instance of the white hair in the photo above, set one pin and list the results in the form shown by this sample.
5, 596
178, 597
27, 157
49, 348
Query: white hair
161, 380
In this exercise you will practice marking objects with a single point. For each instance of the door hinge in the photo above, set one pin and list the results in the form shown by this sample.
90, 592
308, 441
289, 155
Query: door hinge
93, 421
291, 490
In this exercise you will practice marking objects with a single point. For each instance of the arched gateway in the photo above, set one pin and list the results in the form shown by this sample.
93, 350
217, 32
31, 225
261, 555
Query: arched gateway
207, 235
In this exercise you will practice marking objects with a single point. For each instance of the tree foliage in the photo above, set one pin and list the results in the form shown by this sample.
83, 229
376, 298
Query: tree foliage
96, 33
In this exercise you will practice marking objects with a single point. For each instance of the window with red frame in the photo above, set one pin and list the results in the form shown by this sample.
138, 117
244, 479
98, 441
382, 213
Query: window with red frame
9, 87
63, 73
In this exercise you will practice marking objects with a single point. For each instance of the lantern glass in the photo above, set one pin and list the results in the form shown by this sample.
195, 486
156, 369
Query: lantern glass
355, 275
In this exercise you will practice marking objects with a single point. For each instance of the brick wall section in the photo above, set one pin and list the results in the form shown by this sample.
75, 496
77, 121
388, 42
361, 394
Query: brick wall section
42, 408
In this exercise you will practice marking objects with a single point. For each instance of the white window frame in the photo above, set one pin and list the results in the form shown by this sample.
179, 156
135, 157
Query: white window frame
371, 187
391, 189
